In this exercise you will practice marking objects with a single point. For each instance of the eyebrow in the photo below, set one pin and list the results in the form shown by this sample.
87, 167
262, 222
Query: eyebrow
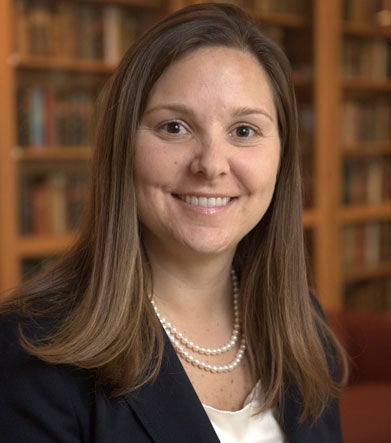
170, 107
247, 111
239, 112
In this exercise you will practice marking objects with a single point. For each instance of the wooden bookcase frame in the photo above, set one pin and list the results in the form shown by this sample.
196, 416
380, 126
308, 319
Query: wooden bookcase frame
324, 219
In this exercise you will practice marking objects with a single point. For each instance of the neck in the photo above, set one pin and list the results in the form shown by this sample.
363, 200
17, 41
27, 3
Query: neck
196, 298
185, 346
182, 286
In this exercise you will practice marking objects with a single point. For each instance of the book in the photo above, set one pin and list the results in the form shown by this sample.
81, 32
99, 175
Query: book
51, 202
371, 253
22, 44
282, 6
58, 210
360, 11
366, 181
111, 36
375, 178
55, 115
40, 28
64, 36
355, 182
371, 295
366, 119
23, 115
368, 58
37, 117
25, 226
40, 206
365, 245
77, 30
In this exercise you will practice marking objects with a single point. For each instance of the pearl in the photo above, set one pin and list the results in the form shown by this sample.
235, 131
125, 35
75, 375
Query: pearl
178, 339
200, 349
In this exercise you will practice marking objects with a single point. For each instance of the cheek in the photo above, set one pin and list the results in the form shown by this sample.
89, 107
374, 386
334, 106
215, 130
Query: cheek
154, 162
259, 175
148, 168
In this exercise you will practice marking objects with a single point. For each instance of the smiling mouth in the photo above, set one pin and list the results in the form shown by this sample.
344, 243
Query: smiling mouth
205, 202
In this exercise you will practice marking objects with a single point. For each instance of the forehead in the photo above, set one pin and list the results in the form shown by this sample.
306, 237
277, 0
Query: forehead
217, 69
213, 56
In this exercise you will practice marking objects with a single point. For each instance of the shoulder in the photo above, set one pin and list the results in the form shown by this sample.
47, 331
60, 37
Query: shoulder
37, 397
46, 403
13, 355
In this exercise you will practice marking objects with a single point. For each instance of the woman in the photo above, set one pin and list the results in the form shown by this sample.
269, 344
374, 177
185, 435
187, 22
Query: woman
183, 312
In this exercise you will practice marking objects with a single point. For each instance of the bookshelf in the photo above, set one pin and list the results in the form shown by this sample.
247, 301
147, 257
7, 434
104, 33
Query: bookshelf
341, 56
55, 57
365, 154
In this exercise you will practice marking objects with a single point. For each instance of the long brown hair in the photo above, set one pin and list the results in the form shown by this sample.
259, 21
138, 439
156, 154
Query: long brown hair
97, 293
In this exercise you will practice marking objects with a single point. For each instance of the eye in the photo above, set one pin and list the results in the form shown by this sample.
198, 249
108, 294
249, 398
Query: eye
244, 131
173, 128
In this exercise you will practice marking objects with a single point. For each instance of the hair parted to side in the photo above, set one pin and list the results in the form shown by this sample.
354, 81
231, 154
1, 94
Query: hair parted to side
98, 292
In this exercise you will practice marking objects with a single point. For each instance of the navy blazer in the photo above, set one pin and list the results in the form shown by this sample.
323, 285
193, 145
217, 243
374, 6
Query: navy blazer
42, 403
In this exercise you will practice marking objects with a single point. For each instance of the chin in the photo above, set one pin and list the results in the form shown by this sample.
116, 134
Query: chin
210, 249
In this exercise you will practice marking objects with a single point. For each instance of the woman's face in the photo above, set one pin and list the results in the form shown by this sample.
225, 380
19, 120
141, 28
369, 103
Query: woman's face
207, 154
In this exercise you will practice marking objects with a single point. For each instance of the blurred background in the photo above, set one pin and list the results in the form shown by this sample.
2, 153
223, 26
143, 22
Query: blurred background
57, 54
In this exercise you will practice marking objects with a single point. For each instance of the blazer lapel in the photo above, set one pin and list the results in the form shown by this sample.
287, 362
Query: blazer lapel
169, 408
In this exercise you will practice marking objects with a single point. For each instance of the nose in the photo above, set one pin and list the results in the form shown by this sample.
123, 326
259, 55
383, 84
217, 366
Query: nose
210, 160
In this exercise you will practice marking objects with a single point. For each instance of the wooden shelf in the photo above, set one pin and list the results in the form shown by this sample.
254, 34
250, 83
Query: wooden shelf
367, 272
52, 153
302, 80
42, 246
366, 84
320, 87
365, 31
365, 213
310, 218
135, 3
281, 19
367, 148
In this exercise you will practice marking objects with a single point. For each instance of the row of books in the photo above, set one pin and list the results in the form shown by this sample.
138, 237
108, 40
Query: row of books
76, 30
52, 116
307, 124
366, 119
52, 203
270, 6
366, 181
296, 44
371, 295
282, 6
366, 245
366, 58
368, 11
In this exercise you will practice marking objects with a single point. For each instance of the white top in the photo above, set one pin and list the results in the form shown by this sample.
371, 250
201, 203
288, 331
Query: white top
243, 426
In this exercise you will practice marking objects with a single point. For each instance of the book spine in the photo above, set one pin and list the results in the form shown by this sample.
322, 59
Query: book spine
366, 182
40, 209
366, 245
58, 215
37, 117
51, 203
371, 295
111, 34
366, 120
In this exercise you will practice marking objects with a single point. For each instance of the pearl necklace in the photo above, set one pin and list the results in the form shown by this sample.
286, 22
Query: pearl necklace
183, 345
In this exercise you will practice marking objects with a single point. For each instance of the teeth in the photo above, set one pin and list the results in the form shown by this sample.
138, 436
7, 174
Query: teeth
205, 202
